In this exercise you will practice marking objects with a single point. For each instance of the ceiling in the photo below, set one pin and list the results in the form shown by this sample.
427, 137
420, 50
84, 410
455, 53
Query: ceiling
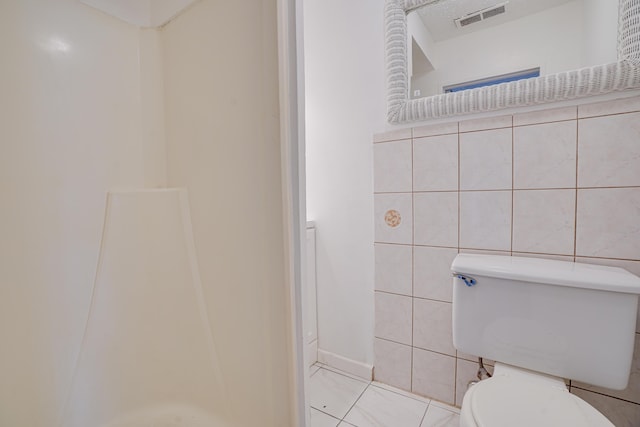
142, 13
439, 17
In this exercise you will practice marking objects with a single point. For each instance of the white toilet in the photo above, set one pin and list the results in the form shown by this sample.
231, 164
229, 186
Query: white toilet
542, 321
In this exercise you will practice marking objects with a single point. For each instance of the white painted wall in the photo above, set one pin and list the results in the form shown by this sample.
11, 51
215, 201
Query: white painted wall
416, 31
345, 105
70, 117
600, 44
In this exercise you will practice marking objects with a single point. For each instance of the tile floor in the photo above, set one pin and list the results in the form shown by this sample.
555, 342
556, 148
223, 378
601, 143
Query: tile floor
340, 399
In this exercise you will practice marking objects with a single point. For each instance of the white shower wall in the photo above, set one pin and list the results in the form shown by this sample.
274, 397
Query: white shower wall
86, 101
70, 115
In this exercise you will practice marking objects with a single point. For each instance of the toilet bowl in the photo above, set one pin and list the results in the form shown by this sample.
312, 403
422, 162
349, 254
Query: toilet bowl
517, 397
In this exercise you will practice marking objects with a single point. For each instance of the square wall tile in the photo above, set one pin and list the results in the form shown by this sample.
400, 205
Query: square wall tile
392, 167
436, 219
435, 163
392, 135
432, 326
393, 268
608, 223
545, 116
466, 371
438, 129
485, 220
616, 106
566, 258
485, 160
609, 151
392, 363
434, 375
484, 252
393, 218
544, 221
393, 317
432, 273
632, 392
619, 412
486, 123
544, 155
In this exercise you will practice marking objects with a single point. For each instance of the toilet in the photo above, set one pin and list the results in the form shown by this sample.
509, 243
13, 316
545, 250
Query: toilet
542, 321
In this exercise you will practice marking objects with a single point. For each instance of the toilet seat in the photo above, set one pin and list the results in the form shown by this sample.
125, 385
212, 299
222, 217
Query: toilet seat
505, 401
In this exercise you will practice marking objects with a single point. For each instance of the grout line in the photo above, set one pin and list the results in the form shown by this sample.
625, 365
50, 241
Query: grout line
392, 192
425, 414
575, 217
413, 241
609, 114
606, 395
404, 393
389, 141
513, 173
354, 403
612, 187
459, 196
434, 135
345, 374
543, 123
392, 341
326, 413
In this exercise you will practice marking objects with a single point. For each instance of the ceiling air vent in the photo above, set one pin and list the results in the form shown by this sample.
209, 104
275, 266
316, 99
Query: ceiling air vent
480, 15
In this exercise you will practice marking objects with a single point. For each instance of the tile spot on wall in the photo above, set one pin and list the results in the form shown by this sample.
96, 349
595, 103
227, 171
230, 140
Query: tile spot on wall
392, 218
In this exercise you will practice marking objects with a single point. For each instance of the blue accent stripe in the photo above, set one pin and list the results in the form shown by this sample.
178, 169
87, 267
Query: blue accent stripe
495, 81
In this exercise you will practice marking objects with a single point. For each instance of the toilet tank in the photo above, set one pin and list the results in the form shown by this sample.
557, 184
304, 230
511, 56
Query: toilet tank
571, 320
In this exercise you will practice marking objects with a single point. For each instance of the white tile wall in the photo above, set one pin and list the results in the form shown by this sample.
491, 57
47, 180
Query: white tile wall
435, 163
393, 268
392, 167
433, 375
391, 233
432, 326
544, 155
555, 183
393, 363
607, 223
544, 221
485, 220
431, 277
485, 160
393, 317
609, 152
436, 219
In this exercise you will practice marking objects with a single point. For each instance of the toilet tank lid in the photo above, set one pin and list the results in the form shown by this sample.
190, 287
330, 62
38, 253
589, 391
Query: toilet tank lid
551, 272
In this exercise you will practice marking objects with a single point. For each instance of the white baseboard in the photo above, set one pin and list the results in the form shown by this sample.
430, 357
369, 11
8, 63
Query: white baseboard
349, 366
312, 352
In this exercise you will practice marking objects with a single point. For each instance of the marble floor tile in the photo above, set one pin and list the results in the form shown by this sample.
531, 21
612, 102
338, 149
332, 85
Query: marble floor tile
333, 393
383, 408
320, 419
440, 417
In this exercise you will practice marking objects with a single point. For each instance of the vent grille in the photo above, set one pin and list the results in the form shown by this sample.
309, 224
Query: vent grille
470, 20
481, 15
493, 12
